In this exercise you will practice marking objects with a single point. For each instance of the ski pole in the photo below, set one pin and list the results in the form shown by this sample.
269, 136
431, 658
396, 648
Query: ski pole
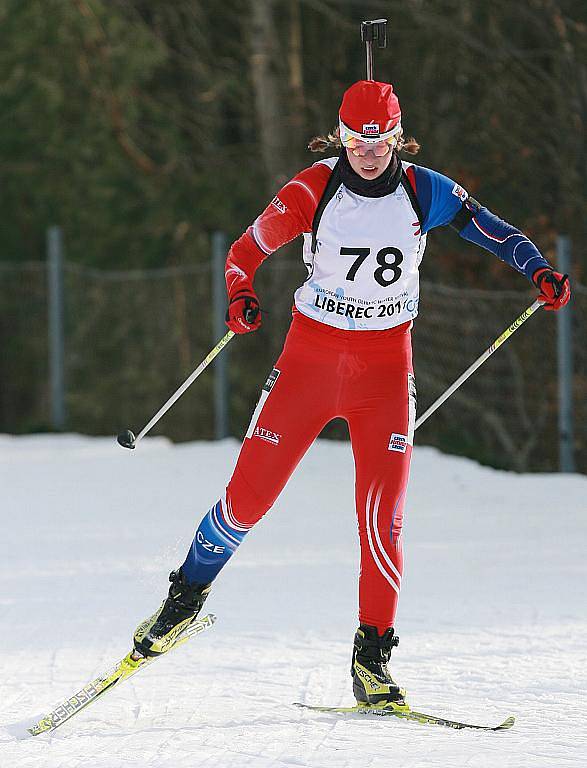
480, 360
127, 439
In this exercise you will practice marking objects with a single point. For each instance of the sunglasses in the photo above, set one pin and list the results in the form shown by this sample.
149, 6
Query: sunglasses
360, 148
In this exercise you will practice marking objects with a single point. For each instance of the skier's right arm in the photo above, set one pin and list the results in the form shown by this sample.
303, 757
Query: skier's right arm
288, 215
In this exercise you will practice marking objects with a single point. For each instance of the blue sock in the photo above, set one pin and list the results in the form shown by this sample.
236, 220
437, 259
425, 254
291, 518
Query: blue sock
215, 541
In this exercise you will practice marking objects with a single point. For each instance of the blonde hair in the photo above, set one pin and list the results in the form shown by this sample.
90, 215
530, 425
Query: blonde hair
332, 141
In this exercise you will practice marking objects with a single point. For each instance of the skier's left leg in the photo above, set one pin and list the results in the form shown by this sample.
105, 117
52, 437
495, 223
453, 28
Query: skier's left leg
295, 404
381, 427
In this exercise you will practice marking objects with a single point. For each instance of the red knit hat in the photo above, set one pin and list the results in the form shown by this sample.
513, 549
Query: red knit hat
371, 109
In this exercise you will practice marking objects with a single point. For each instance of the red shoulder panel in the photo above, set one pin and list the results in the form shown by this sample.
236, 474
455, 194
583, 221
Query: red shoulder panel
411, 174
288, 215
292, 209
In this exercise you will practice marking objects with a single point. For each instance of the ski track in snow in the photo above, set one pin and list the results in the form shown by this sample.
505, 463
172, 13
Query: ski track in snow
492, 615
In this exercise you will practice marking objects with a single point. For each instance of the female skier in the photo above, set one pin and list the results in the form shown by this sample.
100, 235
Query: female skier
364, 217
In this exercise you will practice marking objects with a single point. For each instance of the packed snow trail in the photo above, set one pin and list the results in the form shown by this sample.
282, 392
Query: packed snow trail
492, 614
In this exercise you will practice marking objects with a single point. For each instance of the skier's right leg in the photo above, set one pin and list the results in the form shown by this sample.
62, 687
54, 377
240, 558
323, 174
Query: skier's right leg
295, 404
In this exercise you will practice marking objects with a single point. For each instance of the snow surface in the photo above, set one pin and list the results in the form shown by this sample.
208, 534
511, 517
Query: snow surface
492, 617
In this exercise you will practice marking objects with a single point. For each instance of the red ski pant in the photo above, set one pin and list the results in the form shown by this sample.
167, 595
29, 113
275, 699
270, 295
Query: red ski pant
364, 377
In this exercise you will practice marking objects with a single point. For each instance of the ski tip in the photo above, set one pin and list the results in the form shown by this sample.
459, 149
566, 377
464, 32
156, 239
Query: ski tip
22, 729
507, 723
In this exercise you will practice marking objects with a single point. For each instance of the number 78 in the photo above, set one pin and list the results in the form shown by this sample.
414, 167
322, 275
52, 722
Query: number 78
384, 265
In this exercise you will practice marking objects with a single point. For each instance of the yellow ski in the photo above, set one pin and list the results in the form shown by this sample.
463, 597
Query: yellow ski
405, 713
103, 684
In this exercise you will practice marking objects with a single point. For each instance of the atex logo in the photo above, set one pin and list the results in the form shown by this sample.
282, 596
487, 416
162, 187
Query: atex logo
267, 434
276, 203
371, 129
398, 443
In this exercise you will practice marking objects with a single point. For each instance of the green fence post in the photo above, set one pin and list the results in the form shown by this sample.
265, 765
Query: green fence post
56, 326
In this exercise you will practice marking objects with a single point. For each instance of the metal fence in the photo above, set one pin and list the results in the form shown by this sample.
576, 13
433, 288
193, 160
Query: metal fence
132, 336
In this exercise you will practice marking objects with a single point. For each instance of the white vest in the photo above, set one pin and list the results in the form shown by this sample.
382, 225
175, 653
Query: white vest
364, 274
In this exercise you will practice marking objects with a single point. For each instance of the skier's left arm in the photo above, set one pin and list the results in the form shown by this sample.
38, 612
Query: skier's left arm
444, 202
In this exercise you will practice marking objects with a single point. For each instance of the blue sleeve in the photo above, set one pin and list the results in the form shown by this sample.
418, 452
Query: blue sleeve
441, 199
506, 242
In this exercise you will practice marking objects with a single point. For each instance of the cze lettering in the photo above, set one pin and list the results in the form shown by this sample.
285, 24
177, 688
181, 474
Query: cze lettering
208, 545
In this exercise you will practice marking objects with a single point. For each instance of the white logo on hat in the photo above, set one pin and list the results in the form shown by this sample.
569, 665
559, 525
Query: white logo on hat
371, 129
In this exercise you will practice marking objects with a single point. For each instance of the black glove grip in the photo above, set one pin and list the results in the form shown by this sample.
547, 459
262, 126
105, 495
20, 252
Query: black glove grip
557, 284
250, 313
251, 310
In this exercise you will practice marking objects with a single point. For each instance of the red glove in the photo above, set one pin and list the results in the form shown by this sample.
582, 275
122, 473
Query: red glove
554, 288
244, 258
243, 314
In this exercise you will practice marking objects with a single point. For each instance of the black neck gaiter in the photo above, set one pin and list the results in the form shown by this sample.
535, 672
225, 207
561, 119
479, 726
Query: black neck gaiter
383, 185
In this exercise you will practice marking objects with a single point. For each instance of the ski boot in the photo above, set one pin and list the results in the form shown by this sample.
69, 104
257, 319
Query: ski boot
158, 634
373, 686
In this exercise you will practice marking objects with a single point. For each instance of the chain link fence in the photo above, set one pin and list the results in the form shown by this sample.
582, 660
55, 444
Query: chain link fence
133, 336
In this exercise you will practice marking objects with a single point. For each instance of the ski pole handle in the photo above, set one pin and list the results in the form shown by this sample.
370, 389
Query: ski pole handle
479, 362
127, 440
